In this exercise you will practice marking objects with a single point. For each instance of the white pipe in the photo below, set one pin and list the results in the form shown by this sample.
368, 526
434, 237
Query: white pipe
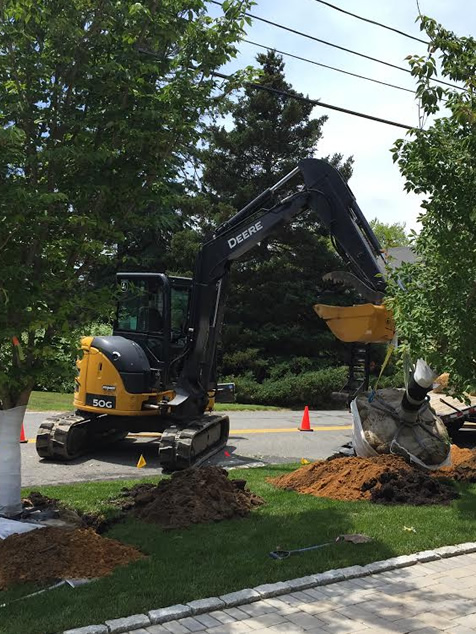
423, 374
10, 461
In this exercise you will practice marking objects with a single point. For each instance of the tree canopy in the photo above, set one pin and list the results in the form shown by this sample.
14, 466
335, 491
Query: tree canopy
434, 312
94, 137
390, 234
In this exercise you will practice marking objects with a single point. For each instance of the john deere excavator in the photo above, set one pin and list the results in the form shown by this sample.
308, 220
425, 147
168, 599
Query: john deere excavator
156, 372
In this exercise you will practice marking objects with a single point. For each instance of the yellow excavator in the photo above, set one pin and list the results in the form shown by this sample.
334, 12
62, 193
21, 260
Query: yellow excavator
157, 371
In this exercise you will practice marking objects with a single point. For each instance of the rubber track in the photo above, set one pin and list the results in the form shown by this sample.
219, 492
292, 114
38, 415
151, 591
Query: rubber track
177, 450
54, 438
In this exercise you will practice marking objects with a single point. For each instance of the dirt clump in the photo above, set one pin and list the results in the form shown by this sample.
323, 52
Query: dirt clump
57, 553
414, 487
193, 496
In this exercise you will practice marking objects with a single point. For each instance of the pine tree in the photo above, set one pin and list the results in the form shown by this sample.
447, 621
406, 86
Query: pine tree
269, 312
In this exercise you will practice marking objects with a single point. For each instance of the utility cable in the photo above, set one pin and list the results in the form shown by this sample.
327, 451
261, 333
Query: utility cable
314, 102
338, 70
360, 17
341, 48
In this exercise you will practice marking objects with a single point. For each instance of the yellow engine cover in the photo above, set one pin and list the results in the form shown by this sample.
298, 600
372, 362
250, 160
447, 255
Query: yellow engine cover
363, 323
99, 387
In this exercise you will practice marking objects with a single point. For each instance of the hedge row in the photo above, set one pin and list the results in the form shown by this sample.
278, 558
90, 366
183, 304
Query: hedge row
296, 390
308, 388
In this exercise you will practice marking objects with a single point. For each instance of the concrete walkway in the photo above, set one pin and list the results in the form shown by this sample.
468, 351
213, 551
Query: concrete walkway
426, 598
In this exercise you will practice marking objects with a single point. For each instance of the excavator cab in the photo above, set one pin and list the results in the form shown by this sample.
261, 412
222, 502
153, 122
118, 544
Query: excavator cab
153, 310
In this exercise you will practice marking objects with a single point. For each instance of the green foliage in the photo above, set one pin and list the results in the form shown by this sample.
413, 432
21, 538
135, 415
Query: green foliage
58, 374
435, 312
390, 234
293, 390
94, 135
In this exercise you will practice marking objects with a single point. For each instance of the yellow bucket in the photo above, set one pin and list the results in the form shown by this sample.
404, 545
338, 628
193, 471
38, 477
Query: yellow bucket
363, 323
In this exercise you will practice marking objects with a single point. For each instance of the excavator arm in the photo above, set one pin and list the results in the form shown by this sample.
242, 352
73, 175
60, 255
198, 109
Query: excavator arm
317, 186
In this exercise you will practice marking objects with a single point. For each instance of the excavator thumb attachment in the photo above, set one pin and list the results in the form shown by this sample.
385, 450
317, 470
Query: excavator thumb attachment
363, 323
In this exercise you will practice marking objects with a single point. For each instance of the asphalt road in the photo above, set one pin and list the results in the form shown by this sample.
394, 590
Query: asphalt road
255, 438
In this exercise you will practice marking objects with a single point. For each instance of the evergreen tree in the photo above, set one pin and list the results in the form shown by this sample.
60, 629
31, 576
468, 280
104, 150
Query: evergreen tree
269, 312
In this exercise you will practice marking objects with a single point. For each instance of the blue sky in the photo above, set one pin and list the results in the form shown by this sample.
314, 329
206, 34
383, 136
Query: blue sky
376, 182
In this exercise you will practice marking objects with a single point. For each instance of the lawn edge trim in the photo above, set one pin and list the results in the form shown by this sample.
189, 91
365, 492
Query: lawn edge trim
266, 591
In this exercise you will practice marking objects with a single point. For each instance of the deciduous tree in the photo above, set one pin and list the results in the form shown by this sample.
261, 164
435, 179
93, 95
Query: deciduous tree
94, 135
390, 234
435, 311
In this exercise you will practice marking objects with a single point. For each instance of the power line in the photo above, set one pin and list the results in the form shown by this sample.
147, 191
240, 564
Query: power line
341, 48
314, 102
384, 26
339, 70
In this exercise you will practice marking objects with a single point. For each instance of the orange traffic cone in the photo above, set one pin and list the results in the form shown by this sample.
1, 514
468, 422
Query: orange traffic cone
23, 438
305, 423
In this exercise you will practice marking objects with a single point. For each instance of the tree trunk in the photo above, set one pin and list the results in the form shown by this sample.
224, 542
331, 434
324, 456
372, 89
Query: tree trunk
10, 460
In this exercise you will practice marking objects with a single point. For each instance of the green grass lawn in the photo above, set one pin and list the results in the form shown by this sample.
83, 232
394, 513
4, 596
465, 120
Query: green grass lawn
56, 402
209, 560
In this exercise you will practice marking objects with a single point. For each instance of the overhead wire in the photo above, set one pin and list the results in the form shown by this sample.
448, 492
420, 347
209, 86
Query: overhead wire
384, 26
337, 46
338, 70
301, 98
315, 102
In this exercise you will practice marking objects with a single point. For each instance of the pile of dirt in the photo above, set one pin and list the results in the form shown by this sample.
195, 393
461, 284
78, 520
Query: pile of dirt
57, 553
384, 479
193, 496
463, 466
340, 478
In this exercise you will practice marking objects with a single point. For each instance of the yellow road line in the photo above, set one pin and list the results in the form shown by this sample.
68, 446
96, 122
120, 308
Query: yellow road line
234, 432
284, 430
276, 430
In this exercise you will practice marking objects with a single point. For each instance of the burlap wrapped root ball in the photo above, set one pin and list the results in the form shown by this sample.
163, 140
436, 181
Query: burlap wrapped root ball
428, 441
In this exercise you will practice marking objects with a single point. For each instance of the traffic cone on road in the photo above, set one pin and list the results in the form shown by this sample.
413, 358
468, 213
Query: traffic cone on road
305, 423
23, 438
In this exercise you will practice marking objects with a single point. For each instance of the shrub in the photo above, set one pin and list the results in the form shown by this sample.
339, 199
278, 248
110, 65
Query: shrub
308, 388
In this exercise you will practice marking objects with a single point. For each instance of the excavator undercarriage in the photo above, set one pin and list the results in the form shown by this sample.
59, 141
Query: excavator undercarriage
67, 436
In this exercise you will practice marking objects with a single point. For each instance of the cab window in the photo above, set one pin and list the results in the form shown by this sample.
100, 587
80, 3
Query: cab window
141, 306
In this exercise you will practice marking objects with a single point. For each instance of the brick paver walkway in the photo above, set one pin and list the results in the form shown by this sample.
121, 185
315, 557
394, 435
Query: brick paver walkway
427, 598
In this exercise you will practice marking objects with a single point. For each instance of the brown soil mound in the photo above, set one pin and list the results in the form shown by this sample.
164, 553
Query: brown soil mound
385, 479
58, 553
340, 478
193, 496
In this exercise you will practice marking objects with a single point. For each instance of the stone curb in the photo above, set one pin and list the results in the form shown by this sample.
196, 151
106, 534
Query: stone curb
267, 590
